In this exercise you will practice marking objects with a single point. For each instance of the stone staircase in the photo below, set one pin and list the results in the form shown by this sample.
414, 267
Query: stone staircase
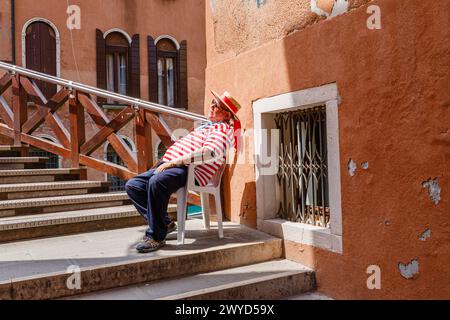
62, 236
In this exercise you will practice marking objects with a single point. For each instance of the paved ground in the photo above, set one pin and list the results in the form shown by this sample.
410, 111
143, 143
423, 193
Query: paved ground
44, 256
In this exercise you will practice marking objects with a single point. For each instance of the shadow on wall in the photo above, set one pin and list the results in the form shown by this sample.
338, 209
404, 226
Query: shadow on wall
247, 206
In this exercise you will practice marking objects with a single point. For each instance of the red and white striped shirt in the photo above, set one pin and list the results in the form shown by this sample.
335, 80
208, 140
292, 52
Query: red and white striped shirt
218, 137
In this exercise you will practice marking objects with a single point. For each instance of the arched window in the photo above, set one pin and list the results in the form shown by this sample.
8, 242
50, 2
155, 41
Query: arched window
168, 71
118, 63
167, 54
118, 184
53, 159
41, 53
117, 51
160, 151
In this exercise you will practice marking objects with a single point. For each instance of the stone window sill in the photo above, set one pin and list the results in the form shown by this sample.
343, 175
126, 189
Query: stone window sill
302, 233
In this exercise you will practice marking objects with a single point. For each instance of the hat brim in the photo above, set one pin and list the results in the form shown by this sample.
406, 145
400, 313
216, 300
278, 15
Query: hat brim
225, 104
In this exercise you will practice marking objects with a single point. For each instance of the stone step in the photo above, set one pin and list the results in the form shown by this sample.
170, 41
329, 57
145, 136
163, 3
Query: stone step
12, 151
50, 268
41, 175
22, 162
51, 189
70, 222
9, 208
275, 279
309, 296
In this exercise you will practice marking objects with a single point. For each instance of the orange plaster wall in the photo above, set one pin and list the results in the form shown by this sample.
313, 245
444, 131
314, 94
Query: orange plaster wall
5, 31
394, 114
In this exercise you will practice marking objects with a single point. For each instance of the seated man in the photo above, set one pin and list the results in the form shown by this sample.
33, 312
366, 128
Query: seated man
206, 146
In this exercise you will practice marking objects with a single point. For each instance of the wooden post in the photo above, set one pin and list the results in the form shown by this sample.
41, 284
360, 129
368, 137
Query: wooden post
143, 142
19, 109
77, 129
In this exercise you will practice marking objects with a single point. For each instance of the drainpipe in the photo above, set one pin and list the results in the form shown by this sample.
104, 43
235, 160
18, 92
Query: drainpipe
13, 33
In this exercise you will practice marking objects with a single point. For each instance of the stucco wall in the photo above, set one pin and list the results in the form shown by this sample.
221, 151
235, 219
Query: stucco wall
5, 31
242, 25
394, 114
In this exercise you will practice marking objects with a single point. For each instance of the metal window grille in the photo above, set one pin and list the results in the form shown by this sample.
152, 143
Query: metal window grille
303, 168
53, 159
118, 184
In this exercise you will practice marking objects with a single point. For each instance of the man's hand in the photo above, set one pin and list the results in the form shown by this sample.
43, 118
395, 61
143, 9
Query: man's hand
166, 166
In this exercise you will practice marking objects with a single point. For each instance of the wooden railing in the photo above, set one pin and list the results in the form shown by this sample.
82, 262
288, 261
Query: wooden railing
19, 83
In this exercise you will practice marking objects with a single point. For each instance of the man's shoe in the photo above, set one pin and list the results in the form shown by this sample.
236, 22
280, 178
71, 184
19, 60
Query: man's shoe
150, 245
171, 227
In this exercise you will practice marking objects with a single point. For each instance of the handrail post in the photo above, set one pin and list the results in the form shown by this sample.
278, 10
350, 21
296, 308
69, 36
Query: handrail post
143, 142
19, 108
77, 129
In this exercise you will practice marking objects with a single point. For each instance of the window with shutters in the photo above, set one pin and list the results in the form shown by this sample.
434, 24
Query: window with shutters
117, 75
167, 62
118, 64
41, 53
167, 72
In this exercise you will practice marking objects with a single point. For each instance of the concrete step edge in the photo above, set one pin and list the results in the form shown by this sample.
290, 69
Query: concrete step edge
62, 200
31, 172
22, 159
240, 286
58, 185
277, 278
108, 276
51, 219
11, 148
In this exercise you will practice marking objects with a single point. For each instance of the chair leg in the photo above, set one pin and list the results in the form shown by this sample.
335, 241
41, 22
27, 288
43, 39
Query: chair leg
219, 214
205, 210
181, 215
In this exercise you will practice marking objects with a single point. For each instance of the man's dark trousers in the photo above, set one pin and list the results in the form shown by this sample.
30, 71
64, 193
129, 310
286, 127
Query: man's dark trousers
150, 193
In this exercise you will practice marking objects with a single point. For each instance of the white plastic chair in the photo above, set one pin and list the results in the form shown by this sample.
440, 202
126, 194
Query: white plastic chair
212, 188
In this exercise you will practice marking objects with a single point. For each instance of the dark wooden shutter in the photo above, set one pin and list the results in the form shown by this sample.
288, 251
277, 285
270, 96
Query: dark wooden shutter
182, 76
152, 70
41, 54
101, 64
134, 87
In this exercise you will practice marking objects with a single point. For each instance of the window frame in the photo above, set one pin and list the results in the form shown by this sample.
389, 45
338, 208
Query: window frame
117, 51
162, 54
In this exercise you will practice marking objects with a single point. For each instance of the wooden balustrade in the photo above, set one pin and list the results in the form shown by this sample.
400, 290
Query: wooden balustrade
73, 144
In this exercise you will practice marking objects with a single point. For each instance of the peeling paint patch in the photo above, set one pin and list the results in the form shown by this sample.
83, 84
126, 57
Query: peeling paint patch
434, 190
425, 235
351, 168
329, 8
365, 165
410, 270
260, 3
212, 3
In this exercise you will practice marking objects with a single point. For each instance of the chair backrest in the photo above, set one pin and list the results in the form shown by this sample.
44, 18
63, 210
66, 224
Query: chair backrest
215, 181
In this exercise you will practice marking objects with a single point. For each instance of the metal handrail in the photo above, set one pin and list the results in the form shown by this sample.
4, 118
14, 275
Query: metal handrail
103, 93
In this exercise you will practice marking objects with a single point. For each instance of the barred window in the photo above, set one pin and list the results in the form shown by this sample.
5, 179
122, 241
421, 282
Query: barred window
53, 159
118, 184
303, 167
